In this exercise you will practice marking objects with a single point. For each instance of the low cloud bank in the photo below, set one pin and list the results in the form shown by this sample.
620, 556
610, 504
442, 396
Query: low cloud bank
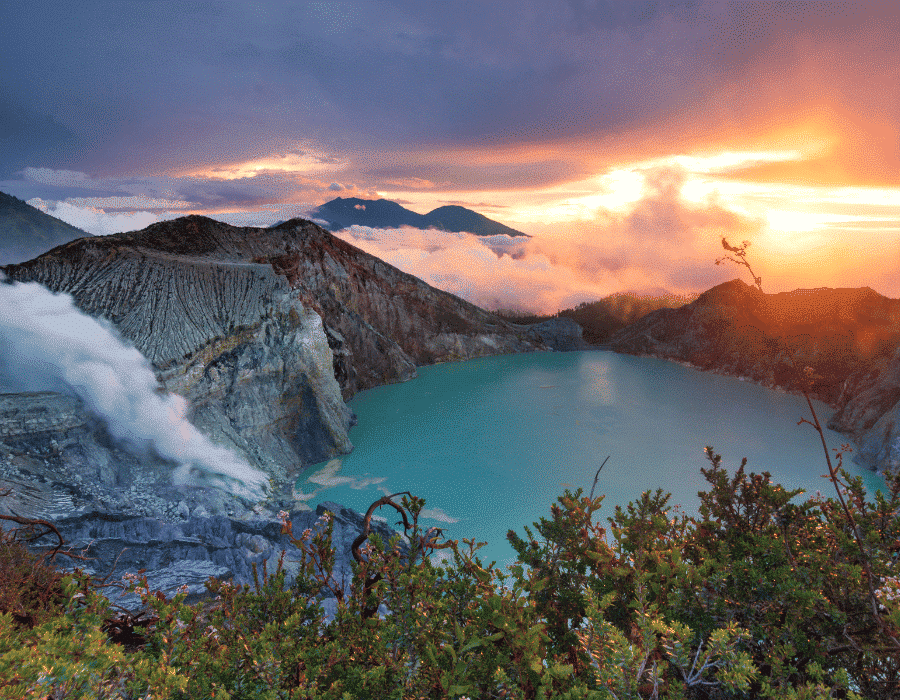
99, 222
661, 242
96, 220
50, 345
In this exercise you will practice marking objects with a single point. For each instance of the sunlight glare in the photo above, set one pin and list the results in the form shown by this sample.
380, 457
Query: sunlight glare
720, 162
792, 221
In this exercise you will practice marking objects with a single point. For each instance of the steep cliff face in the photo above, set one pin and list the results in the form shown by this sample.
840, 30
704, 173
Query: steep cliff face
231, 337
848, 336
868, 409
382, 322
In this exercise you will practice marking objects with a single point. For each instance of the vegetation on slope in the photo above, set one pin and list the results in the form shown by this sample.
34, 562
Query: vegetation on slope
756, 596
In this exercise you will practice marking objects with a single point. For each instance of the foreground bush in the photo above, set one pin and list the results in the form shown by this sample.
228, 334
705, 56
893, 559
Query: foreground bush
756, 596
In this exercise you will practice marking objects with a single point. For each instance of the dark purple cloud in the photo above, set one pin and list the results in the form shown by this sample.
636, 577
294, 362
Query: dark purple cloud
158, 94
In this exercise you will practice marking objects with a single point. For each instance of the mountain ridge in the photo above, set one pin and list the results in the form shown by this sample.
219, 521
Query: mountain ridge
850, 337
267, 332
341, 213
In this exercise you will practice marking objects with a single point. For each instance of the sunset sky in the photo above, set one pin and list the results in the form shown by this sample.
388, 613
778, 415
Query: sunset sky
626, 136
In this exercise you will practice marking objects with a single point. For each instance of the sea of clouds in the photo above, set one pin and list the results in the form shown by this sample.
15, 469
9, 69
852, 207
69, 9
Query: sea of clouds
661, 242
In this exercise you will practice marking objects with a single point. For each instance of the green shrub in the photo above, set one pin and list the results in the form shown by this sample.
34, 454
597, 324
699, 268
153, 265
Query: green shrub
755, 596
31, 591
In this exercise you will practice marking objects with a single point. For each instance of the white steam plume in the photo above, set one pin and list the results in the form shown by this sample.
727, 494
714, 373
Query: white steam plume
47, 344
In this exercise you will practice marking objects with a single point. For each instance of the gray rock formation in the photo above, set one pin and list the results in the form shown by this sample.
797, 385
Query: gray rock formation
187, 552
58, 460
849, 337
228, 335
558, 333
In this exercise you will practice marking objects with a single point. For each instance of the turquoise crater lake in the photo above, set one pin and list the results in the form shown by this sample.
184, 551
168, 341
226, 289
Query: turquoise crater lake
491, 443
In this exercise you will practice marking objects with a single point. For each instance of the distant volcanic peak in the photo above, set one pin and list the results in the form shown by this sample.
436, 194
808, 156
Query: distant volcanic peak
457, 219
343, 213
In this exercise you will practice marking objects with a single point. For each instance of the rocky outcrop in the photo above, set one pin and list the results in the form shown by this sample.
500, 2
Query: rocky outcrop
231, 337
191, 549
848, 336
59, 461
558, 333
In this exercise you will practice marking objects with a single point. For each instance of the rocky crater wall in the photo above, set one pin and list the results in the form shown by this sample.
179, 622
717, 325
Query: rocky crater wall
850, 337
266, 332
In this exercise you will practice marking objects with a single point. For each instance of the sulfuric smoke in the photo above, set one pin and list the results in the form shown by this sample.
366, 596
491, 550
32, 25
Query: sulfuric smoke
48, 344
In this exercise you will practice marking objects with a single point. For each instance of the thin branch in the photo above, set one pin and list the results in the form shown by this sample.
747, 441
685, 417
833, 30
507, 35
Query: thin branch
597, 476
833, 474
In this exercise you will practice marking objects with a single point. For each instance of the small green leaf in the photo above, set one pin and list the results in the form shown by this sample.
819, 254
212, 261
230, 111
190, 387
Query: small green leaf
473, 645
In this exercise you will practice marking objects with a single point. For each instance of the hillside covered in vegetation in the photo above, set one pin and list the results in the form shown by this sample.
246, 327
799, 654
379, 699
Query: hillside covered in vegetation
759, 595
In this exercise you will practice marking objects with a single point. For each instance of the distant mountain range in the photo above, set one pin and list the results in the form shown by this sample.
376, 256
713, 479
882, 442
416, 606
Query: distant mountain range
26, 232
343, 213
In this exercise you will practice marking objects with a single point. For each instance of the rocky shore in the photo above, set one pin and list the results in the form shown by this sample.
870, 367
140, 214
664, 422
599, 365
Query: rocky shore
849, 337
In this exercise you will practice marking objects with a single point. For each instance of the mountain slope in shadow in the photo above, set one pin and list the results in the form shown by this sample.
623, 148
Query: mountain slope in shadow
26, 232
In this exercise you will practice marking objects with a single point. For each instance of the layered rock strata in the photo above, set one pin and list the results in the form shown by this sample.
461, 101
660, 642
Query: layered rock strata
850, 337
176, 288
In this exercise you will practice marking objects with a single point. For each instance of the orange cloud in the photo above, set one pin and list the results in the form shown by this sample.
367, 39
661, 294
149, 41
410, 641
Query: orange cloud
660, 243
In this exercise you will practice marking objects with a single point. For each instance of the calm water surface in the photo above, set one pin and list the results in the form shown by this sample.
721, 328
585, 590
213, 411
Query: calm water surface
490, 443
